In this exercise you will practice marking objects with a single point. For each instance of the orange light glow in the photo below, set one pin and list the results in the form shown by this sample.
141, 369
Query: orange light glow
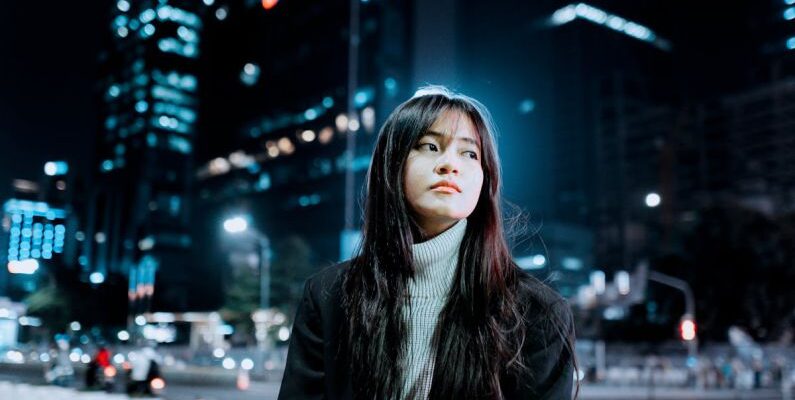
158, 384
243, 381
268, 4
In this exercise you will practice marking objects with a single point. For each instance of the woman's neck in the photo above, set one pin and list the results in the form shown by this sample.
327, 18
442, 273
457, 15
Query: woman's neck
430, 229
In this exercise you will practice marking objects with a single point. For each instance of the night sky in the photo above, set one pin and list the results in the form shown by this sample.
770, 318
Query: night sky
48, 70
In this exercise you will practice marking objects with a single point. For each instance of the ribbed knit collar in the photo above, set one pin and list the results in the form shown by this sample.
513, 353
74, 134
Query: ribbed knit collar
435, 261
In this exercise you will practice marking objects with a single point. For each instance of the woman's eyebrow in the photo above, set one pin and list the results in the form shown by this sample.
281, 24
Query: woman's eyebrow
440, 135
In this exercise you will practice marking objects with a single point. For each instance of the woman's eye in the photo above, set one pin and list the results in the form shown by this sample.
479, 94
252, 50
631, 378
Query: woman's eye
430, 146
472, 155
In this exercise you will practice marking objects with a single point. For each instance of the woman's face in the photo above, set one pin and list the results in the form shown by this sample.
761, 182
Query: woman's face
443, 175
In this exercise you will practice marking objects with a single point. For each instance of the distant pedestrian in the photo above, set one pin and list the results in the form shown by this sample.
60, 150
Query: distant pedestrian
142, 362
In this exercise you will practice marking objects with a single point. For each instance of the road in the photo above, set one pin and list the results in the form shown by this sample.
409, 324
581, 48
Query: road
662, 393
22, 384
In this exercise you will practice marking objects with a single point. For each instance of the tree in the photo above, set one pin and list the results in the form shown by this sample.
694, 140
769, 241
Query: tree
52, 304
291, 266
242, 299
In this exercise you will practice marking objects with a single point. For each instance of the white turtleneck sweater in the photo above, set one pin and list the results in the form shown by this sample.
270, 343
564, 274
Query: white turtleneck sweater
435, 262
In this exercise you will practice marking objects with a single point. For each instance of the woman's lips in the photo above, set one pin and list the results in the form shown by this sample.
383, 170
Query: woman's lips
444, 189
449, 185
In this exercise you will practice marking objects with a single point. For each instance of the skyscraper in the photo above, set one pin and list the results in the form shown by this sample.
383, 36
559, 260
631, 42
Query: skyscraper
137, 225
39, 230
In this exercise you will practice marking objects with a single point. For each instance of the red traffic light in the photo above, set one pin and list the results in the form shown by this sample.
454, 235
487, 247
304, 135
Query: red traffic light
268, 4
687, 329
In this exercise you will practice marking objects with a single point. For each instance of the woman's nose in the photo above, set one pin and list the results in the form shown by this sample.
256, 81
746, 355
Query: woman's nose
446, 166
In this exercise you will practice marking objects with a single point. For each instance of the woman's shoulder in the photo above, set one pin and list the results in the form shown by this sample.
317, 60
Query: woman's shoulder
540, 300
327, 281
329, 274
533, 289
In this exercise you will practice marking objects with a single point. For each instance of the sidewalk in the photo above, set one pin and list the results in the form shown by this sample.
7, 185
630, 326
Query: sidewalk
25, 391
596, 392
188, 375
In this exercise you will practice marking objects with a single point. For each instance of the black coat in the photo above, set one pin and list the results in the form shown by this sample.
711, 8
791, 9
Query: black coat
316, 370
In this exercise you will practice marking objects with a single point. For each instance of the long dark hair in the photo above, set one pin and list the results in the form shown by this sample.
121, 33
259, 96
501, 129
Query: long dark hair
483, 325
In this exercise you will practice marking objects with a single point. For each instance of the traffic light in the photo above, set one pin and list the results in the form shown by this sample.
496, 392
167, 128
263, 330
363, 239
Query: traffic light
687, 328
268, 4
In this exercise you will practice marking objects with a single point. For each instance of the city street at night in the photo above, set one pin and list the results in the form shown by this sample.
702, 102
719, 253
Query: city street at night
397, 199
31, 388
27, 382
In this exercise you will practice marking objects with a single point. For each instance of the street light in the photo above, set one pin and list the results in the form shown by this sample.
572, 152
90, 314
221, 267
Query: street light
53, 168
239, 225
236, 224
653, 200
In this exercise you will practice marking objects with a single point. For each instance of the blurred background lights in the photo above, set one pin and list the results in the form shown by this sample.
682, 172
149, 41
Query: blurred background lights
598, 281
24, 267
307, 135
250, 74
96, 278
284, 333
310, 114
14, 357
622, 279
526, 106
235, 224
353, 125
325, 135
598, 16
341, 122
532, 262
221, 13
269, 4
368, 118
653, 200
390, 84
285, 145
53, 168
572, 263
123, 5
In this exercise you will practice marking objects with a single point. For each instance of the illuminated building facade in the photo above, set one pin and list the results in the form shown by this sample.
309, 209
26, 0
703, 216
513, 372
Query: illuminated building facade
137, 225
39, 230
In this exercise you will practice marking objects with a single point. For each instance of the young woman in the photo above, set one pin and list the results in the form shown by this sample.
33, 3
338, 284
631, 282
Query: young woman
432, 306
